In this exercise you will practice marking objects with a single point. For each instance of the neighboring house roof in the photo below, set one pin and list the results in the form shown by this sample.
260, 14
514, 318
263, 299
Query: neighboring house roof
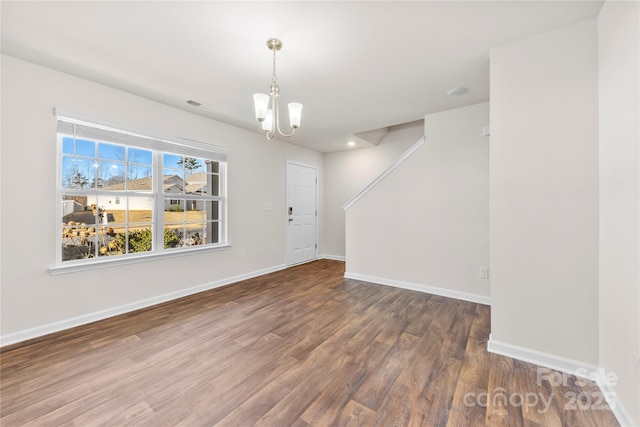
170, 187
170, 182
196, 178
173, 179
197, 182
194, 188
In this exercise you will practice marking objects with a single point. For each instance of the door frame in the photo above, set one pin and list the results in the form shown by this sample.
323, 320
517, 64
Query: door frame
286, 216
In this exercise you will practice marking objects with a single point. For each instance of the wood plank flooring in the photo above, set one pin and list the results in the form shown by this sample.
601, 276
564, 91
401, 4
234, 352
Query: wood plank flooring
300, 347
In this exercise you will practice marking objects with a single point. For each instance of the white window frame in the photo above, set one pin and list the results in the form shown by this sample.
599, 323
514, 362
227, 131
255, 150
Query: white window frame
92, 129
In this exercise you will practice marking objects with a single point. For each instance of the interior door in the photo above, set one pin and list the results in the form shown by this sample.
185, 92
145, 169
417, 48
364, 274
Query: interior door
301, 213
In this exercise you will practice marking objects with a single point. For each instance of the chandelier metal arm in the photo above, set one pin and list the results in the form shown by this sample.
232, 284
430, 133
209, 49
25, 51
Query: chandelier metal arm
276, 109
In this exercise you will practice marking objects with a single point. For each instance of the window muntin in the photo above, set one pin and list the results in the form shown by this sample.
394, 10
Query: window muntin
120, 200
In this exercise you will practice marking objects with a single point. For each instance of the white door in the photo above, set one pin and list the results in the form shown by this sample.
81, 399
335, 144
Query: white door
301, 213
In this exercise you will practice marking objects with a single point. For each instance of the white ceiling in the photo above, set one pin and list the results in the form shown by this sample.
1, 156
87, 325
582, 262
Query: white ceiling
356, 66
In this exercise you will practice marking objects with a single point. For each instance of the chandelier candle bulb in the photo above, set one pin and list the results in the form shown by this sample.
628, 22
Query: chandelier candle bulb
267, 121
261, 102
295, 114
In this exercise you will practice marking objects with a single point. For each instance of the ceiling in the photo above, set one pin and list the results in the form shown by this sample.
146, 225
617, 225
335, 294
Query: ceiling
357, 67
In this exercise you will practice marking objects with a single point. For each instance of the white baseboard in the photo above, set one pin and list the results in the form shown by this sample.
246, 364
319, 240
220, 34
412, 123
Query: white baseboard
619, 411
39, 331
480, 299
557, 363
569, 366
333, 257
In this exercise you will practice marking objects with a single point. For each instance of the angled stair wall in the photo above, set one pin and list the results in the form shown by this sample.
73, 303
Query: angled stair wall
423, 224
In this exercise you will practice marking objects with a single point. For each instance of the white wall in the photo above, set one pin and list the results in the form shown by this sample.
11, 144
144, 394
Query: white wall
619, 134
31, 298
348, 172
427, 223
544, 194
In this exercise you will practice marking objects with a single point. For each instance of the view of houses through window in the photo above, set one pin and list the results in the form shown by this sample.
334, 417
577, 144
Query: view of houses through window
118, 199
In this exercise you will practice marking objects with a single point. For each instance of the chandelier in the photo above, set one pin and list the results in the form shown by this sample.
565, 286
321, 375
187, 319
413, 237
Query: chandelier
267, 111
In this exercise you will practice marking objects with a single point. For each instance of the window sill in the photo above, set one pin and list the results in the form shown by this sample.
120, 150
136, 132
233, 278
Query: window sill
73, 268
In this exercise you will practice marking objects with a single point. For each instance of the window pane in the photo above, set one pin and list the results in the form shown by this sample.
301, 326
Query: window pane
140, 209
138, 155
68, 146
110, 236
211, 185
189, 165
76, 243
194, 209
108, 214
212, 210
77, 172
111, 176
194, 216
139, 238
111, 203
192, 165
110, 151
137, 171
85, 148
194, 184
172, 237
77, 210
174, 211
174, 223
213, 232
171, 161
172, 183
213, 166
195, 234
78, 228
140, 184
173, 175
68, 170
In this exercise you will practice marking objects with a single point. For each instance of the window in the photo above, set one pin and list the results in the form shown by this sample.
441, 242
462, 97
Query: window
125, 195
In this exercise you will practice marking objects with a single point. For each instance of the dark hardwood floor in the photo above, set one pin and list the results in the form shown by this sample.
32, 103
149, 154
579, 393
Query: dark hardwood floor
300, 347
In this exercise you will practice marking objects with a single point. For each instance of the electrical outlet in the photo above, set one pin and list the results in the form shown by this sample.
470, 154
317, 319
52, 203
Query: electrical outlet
484, 272
243, 256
